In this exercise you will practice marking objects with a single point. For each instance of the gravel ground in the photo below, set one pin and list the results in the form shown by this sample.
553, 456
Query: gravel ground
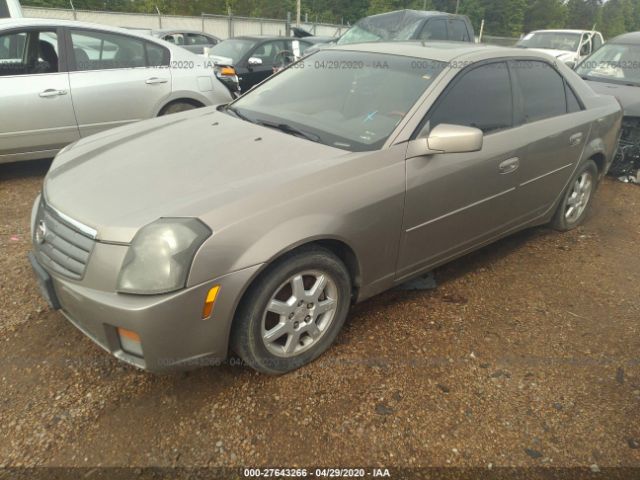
525, 355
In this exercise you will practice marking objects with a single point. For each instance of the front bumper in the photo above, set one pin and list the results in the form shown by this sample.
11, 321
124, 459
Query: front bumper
171, 329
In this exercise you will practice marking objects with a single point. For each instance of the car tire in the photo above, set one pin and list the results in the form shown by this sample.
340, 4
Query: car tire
177, 107
576, 199
293, 312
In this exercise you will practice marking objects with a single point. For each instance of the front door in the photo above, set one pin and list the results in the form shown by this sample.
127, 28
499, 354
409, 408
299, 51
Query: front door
258, 65
456, 201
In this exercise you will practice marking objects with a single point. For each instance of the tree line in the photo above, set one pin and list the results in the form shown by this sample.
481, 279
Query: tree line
502, 17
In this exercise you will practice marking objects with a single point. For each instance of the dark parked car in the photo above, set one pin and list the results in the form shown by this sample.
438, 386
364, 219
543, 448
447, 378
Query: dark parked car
195, 42
615, 70
255, 58
410, 25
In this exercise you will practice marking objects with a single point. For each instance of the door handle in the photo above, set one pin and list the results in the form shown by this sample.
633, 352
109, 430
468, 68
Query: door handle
51, 92
575, 139
509, 166
156, 80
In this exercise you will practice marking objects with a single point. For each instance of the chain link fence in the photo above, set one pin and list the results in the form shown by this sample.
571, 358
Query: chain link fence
219, 25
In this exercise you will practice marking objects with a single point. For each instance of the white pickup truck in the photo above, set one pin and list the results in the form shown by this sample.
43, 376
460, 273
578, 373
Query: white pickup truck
10, 9
568, 46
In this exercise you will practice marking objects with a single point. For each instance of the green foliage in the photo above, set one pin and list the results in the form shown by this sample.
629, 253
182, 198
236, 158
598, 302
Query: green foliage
502, 17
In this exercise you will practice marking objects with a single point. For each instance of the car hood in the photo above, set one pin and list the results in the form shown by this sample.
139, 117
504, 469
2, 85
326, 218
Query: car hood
561, 55
628, 96
218, 60
182, 165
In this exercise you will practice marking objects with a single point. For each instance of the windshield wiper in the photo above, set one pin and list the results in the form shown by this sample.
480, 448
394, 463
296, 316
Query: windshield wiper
286, 128
238, 114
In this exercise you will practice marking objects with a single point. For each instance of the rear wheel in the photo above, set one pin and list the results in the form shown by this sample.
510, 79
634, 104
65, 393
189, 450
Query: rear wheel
293, 313
177, 107
575, 203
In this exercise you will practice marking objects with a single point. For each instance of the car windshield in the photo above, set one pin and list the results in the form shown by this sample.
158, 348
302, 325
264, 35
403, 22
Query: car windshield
617, 63
551, 40
233, 49
347, 100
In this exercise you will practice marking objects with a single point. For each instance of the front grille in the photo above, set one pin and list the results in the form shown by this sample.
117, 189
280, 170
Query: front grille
61, 246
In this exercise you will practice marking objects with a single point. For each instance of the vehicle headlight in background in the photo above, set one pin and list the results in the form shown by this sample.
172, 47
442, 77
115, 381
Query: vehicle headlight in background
228, 75
160, 256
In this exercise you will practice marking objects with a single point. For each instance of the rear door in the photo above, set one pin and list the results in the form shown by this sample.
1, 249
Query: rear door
551, 117
459, 200
116, 79
36, 113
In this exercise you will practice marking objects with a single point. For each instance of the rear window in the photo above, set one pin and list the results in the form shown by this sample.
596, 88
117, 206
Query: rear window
435, 29
542, 91
458, 31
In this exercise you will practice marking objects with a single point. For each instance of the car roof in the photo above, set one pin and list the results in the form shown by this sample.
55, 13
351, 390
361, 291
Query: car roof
412, 14
563, 30
632, 38
440, 51
49, 22
262, 37
180, 30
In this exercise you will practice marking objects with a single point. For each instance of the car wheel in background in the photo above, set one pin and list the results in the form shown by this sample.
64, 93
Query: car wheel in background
577, 198
177, 107
293, 312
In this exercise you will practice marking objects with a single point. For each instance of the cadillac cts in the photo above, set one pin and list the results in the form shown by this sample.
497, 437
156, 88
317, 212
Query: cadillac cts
251, 227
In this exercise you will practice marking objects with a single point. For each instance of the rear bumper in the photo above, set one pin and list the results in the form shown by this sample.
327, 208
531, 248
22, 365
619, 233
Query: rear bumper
171, 329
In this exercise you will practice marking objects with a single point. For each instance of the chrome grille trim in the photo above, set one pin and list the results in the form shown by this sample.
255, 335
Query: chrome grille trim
65, 248
88, 231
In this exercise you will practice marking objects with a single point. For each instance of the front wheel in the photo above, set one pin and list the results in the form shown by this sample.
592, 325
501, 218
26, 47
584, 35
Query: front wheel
293, 313
577, 198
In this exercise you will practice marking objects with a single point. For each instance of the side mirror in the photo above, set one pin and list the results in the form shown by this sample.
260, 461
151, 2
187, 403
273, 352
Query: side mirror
446, 138
255, 61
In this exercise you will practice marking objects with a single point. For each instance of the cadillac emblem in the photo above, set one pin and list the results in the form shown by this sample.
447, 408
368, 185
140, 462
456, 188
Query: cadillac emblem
41, 232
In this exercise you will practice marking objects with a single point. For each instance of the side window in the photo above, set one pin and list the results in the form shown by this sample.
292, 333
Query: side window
175, 38
197, 39
296, 49
573, 105
481, 98
303, 46
542, 91
458, 31
12, 53
585, 49
597, 41
104, 51
29, 53
435, 29
157, 56
271, 52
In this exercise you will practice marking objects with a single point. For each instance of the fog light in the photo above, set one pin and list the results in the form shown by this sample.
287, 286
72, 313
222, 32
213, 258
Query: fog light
130, 342
209, 302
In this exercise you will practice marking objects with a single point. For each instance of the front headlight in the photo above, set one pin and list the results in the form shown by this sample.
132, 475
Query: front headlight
160, 256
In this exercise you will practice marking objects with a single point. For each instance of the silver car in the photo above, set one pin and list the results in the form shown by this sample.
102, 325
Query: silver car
61, 81
254, 227
195, 42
